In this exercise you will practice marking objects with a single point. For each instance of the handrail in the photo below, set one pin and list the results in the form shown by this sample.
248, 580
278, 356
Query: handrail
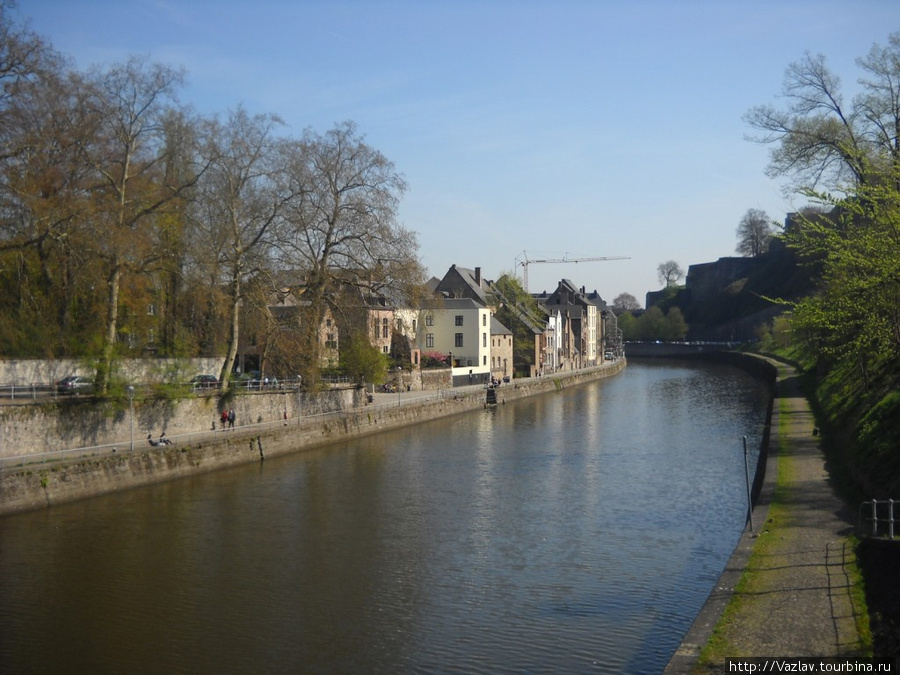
888, 517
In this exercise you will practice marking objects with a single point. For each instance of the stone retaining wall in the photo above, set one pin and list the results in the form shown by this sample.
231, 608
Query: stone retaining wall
31, 371
37, 485
82, 422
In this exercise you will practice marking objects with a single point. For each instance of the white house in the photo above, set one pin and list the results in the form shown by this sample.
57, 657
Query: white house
460, 328
553, 331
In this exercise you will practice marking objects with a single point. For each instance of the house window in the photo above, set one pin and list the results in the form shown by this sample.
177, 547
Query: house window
385, 349
328, 323
415, 325
429, 339
459, 319
429, 320
484, 360
385, 328
151, 336
458, 340
151, 310
330, 342
484, 319
484, 339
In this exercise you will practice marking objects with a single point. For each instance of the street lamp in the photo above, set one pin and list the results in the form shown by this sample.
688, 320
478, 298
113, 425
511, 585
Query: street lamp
399, 383
130, 391
450, 359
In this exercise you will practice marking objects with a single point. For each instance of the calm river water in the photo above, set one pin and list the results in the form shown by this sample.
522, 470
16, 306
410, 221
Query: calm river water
576, 532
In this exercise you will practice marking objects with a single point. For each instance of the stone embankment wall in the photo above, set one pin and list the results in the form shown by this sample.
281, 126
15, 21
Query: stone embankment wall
33, 371
36, 485
81, 422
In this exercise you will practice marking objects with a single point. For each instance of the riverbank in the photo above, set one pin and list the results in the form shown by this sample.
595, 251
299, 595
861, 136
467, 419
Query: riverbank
38, 485
792, 587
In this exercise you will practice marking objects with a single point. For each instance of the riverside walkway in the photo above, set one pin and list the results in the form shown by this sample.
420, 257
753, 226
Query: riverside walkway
795, 598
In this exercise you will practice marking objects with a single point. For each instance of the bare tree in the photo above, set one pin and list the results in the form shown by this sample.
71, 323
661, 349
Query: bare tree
754, 233
124, 145
23, 55
669, 273
238, 202
341, 227
818, 139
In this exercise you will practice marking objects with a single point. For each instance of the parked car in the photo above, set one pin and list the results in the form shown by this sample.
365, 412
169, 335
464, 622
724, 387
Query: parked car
75, 384
205, 382
249, 380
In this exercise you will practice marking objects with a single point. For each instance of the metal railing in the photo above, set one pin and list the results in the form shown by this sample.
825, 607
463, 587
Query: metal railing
877, 513
14, 391
32, 390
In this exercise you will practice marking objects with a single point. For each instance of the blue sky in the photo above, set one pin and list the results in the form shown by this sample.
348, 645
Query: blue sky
565, 128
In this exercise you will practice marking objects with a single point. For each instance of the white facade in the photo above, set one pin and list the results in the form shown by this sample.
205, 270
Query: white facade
461, 328
592, 336
553, 332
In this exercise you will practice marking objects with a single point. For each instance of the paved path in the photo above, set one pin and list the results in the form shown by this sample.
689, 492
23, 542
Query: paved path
796, 600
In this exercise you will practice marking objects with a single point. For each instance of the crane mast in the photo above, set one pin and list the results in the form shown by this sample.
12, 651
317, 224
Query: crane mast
524, 261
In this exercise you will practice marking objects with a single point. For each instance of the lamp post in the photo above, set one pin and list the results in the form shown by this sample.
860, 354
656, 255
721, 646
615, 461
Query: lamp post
399, 383
450, 359
130, 391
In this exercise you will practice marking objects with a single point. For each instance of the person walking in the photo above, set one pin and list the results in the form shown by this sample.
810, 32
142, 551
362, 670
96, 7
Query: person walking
231, 417
223, 418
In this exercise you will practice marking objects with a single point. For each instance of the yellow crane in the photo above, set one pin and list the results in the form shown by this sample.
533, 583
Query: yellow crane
524, 261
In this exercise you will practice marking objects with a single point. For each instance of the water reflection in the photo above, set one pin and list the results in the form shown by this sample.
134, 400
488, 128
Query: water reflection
575, 532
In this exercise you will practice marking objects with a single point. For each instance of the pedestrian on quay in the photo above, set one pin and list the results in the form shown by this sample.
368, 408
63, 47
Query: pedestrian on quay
231, 417
223, 418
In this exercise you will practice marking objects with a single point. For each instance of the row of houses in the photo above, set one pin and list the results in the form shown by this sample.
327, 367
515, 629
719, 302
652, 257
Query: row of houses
468, 325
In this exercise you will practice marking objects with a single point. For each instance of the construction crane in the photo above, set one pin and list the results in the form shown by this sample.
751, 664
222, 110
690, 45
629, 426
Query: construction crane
525, 262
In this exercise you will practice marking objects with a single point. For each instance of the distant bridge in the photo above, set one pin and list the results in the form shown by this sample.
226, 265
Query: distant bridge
675, 349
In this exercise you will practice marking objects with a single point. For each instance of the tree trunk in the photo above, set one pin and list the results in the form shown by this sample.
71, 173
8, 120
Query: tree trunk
104, 368
234, 331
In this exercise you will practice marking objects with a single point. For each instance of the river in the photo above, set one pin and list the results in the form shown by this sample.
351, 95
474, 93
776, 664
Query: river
573, 532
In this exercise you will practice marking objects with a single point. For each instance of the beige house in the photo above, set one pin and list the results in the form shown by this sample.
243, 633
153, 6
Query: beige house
501, 350
460, 328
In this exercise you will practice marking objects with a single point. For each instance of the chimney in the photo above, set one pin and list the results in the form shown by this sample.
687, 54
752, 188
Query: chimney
478, 277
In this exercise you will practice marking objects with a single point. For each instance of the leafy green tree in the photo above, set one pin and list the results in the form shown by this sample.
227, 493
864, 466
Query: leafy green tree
520, 313
856, 315
852, 149
650, 324
674, 328
846, 158
361, 360
628, 325
818, 139
625, 302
